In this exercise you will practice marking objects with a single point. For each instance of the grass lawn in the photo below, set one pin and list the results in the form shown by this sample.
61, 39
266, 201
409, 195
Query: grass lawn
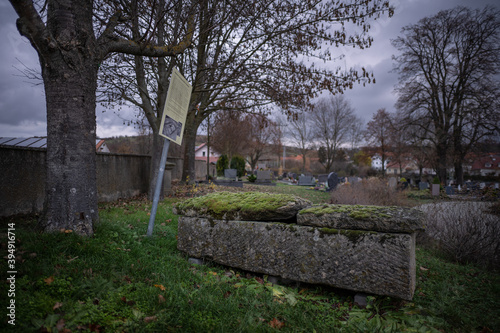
121, 281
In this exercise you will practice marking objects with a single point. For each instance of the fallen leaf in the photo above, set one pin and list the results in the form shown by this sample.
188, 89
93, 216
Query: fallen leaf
227, 294
161, 299
60, 324
57, 305
422, 268
150, 319
259, 280
95, 328
49, 280
162, 288
275, 323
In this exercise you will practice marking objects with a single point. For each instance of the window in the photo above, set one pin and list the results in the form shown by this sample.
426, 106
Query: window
203, 154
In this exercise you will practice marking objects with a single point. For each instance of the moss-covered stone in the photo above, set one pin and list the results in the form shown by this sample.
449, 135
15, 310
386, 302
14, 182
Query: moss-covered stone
253, 206
357, 217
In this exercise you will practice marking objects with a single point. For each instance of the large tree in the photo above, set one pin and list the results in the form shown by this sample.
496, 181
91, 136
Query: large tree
449, 65
378, 134
72, 38
332, 117
249, 54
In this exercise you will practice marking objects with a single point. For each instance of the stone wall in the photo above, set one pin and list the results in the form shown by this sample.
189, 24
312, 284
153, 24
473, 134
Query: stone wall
372, 261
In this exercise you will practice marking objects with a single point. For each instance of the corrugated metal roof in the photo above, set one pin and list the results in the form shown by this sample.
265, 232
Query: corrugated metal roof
5, 140
34, 142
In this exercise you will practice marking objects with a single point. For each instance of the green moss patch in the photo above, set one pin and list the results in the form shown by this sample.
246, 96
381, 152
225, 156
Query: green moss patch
253, 205
357, 212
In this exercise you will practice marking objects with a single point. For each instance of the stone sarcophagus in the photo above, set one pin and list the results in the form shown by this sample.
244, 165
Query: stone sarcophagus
362, 248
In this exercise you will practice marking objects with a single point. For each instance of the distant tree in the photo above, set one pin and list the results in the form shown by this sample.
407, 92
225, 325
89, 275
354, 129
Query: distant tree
222, 164
262, 136
449, 65
230, 133
332, 117
300, 133
72, 39
361, 158
378, 134
238, 163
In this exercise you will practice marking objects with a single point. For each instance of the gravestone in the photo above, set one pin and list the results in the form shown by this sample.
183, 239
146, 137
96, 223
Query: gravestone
450, 190
423, 186
263, 176
306, 181
333, 181
353, 180
323, 179
435, 189
393, 182
230, 173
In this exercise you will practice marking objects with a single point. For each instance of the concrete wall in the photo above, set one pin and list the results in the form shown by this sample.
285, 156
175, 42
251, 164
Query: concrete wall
22, 180
22, 177
122, 176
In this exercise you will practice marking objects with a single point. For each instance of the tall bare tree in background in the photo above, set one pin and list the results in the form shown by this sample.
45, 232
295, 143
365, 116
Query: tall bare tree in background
332, 117
229, 133
264, 134
378, 134
248, 55
449, 65
301, 134
72, 39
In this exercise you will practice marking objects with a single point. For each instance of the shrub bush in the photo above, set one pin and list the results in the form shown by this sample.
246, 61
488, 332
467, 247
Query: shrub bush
372, 191
238, 163
221, 165
252, 178
464, 231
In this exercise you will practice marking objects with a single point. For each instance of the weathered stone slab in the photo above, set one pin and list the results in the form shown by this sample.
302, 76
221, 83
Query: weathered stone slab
366, 261
250, 206
263, 176
356, 217
323, 179
306, 181
230, 173
423, 186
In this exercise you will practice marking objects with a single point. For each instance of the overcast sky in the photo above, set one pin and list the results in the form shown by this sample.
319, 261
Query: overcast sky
22, 104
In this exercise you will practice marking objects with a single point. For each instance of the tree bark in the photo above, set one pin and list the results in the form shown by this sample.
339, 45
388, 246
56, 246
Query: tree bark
190, 129
70, 80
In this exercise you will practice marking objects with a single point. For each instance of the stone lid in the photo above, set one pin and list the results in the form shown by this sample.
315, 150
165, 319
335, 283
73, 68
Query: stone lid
243, 206
357, 217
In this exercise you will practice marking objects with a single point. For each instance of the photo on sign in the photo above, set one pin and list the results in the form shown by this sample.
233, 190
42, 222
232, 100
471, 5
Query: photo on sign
171, 128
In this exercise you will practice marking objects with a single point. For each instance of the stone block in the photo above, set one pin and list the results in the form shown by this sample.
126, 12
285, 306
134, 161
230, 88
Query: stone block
364, 261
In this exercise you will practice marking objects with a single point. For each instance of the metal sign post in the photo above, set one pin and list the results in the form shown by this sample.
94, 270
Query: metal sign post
159, 181
172, 129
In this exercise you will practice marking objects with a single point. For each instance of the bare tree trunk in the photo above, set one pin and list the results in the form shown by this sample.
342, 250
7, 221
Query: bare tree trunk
70, 81
188, 169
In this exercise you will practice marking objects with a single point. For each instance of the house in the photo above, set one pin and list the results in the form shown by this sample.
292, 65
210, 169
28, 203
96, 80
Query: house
486, 165
41, 142
200, 153
377, 162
